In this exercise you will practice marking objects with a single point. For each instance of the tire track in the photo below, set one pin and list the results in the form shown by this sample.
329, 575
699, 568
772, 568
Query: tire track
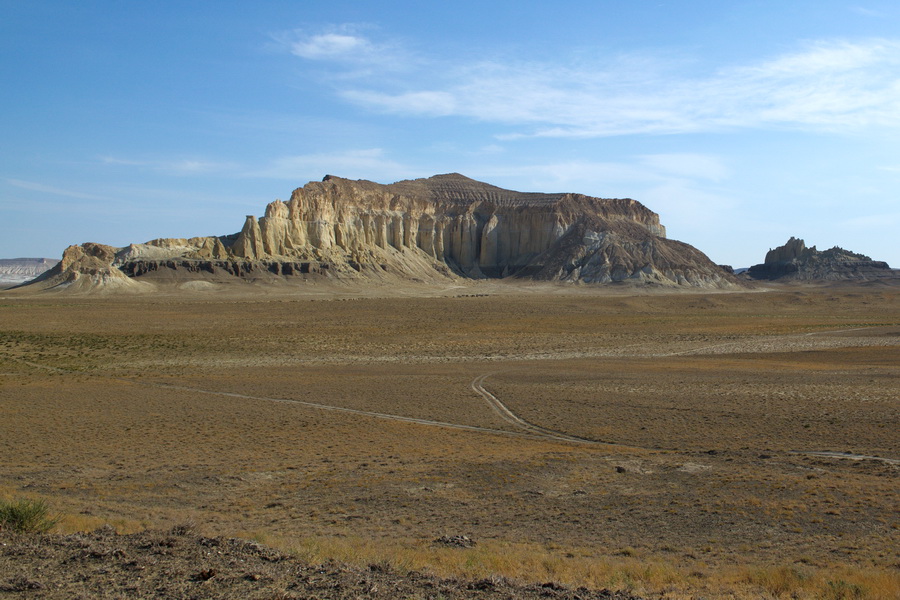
346, 410
512, 418
527, 429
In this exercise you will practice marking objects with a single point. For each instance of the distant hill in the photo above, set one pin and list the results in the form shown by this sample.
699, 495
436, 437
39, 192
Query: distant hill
15, 271
795, 262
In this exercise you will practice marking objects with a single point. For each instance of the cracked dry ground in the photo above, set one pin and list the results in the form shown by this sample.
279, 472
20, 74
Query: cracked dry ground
147, 412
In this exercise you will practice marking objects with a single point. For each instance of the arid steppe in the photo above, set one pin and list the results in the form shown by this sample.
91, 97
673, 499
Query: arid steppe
686, 444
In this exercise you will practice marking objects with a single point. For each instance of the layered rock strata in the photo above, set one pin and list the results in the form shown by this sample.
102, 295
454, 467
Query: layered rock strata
443, 226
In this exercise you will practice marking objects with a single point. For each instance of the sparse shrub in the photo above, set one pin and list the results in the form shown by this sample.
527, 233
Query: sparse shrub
841, 590
184, 528
778, 580
26, 516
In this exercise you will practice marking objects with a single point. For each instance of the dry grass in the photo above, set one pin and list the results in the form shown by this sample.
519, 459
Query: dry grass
123, 411
640, 573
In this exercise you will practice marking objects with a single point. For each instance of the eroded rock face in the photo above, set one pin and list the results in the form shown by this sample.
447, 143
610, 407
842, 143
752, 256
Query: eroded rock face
474, 227
794, 261
792, 250
87, 266
443, 226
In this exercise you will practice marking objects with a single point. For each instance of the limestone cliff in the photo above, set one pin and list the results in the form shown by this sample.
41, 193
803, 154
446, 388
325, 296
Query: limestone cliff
425, 229
795, 262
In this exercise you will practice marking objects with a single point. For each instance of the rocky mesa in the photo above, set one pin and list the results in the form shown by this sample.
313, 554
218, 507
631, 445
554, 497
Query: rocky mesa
14, 271
441, 227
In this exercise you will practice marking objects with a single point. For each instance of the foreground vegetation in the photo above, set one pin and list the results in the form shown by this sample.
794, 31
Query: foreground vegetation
24, 515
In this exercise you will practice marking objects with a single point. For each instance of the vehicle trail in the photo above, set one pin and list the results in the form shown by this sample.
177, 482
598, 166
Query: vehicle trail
510, 417
526, 429
341, 409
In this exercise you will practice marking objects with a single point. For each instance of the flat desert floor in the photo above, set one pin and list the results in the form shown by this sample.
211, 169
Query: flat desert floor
685, 444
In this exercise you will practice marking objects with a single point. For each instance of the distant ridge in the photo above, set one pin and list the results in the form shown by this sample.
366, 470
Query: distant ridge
795, 262
15, 271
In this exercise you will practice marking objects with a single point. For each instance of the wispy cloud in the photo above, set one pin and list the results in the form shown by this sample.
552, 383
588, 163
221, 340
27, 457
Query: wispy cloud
56, 191
824, 85
348, 45
866, 12
331, 45
181, 166
692, 166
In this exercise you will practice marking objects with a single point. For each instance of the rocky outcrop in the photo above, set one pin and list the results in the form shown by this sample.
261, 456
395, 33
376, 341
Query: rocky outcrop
85, 267
795, 262
423, 229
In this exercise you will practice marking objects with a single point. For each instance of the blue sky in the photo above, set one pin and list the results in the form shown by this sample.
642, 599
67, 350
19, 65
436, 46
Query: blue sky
741, 123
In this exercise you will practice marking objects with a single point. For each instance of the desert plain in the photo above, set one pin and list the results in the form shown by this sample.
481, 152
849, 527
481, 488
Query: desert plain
675, 443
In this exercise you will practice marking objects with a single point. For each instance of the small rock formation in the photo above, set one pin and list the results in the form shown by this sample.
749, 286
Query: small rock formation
795, 262
86, 267
442, 227
14, 271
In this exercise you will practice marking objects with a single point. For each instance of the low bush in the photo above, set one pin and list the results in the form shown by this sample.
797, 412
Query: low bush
26, 516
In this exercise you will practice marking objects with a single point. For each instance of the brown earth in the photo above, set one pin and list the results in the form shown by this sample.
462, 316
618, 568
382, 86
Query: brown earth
180, 564
288, 415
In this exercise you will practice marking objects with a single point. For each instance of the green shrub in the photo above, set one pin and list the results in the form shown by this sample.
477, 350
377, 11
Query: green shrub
26, 516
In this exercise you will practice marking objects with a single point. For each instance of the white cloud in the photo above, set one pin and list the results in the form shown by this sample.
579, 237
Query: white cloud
826, 85
831, 57
345, 44
330, 45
